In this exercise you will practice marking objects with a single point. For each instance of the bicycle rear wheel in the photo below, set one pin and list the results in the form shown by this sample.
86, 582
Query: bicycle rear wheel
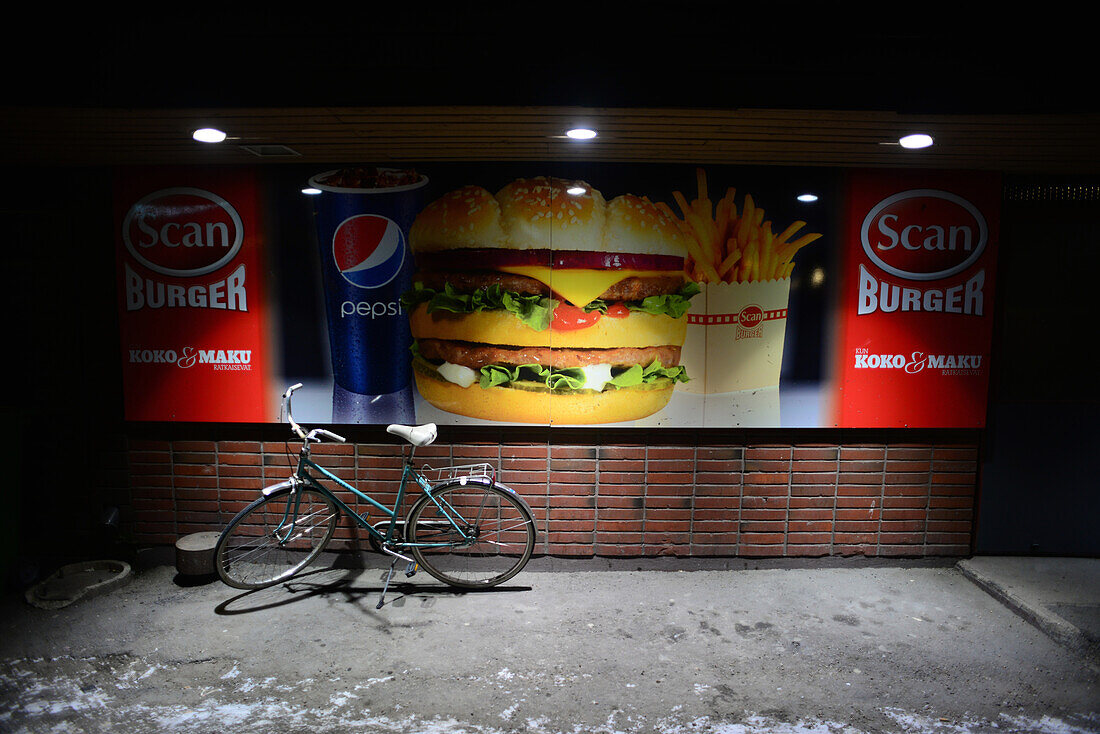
274, 538
498, 527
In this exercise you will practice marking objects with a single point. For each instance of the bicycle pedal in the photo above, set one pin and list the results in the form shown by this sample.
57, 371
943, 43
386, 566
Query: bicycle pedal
411, 570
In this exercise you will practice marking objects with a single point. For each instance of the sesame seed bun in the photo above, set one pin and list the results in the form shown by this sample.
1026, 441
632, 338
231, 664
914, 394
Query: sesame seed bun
539, 214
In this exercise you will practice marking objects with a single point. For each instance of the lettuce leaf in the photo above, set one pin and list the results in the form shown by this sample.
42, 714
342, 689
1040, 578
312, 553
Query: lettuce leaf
673, 305
569, 379
534, 311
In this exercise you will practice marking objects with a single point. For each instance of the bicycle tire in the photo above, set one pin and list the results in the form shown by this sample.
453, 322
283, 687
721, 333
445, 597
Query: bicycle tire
502, 526
249, 555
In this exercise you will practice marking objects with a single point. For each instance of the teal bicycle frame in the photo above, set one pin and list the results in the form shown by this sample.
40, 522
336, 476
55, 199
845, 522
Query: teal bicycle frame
389, 538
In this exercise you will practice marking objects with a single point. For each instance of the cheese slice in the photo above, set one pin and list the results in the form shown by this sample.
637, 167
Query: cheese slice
579, 286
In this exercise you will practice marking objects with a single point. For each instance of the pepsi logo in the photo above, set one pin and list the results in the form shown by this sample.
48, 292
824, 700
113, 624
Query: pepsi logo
183, 232
369, 250
924, 234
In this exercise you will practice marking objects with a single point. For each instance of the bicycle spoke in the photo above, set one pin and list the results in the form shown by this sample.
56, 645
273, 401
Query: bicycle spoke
253, 553
485, 552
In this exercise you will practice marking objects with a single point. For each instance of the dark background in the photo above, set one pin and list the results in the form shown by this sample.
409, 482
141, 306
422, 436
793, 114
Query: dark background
934, 57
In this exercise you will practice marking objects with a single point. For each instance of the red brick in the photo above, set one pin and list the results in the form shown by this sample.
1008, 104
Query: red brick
624, 465
860, 514
951, 453
760, 550
759, 478
823, 454
862, 453
573, 452
637, 478
654, 453
756, 465
894, 453
856, 526
776, 514
732, 454
620, 489
621, 452
858, 490
855, 538
718, 478
824, 513
620, 538
869, 467
192, 445
808, 526
797, 501
762, 538
822, 549
846, 477
767, 453
916, 502
521, 451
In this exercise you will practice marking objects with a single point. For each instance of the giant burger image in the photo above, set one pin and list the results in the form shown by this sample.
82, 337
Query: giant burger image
545, 303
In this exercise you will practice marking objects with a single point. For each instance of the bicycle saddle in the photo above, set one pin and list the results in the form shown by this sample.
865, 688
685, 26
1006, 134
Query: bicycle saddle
416, 435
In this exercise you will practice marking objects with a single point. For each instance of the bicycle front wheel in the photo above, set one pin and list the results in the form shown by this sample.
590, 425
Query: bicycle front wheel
471, 535
274, 538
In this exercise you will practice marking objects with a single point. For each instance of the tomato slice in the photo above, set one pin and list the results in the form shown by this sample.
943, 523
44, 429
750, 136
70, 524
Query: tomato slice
489, 259
568, 317
618, 311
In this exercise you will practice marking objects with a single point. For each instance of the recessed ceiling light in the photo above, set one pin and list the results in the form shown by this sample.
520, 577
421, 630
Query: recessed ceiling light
581, 133
807, 198
311, 191
575, 190
917, 140
208, 135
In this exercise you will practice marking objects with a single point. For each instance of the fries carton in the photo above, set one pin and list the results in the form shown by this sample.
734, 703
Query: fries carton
735, 336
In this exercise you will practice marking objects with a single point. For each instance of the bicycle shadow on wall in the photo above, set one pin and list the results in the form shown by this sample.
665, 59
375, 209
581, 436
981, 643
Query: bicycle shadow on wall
351, 583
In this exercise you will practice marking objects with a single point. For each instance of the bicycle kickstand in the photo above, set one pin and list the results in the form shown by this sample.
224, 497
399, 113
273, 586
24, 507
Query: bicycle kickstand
410, 571
385, 586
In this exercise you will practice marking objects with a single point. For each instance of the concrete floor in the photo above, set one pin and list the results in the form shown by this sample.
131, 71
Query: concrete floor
855, 648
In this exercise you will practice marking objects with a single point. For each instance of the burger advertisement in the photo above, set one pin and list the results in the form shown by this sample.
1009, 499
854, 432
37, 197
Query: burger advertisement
623, 295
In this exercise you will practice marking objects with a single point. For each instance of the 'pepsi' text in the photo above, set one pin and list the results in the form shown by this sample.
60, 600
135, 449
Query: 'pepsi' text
373, 309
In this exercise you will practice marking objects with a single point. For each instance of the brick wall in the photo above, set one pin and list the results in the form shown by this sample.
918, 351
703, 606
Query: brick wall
663, 493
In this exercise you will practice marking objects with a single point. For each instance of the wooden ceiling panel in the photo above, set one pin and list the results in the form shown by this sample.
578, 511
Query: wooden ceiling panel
1040, 144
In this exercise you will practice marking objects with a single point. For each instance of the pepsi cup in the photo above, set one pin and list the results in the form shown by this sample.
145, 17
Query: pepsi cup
362, 219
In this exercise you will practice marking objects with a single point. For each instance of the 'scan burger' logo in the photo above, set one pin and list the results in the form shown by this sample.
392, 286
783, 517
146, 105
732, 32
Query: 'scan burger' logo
186, 233
183, 232
749, 321
922, 235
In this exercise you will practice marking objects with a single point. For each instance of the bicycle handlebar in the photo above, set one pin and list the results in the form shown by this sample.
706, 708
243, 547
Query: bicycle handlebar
312, 435
286, 410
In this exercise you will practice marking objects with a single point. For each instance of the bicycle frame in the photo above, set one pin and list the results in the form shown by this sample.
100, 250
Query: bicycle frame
303, 477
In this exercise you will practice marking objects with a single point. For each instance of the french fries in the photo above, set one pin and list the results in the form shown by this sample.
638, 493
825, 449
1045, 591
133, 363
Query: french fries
727, 247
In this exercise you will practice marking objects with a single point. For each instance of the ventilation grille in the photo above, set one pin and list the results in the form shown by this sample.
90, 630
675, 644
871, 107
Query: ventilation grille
1053, 192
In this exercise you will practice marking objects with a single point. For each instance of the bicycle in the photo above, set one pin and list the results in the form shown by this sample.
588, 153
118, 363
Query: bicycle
467, 529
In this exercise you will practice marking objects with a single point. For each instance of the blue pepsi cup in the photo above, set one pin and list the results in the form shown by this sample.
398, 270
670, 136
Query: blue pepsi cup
362, 217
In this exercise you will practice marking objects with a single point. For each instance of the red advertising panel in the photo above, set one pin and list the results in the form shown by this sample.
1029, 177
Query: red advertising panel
191, 296
916, 305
